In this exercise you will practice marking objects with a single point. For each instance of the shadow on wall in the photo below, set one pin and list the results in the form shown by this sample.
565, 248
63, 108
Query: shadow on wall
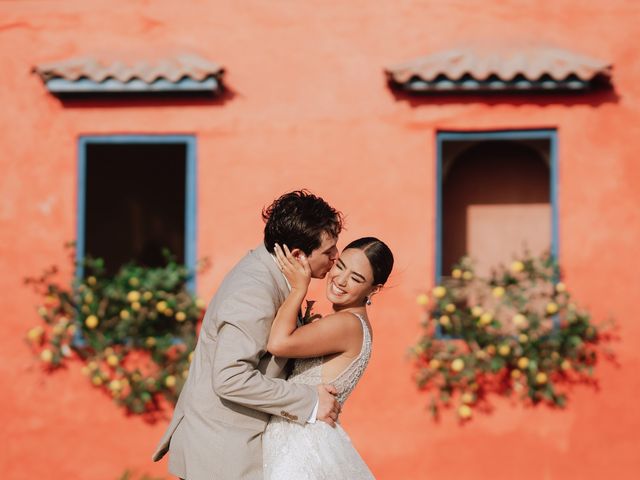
136, 100
593, 98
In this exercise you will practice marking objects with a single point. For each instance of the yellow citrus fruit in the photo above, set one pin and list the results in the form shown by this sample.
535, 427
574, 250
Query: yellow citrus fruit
434, 364
541, 378
450, 307
134, 282
97, 381
560, 287
92, 366
115, 385
124, 314
445, 321
91, 280
565, 365
170, 381
523, 362
517, 267
91, 321
457, 365
135, 306
520, 321
46, 355
476, 311
467, 275
504, 350
486, 318
50, 299
112, 360
161, 306
133, 296
35, 333
181, 316
147, 296
467, 397
491, 349
552, 308
515, 374
200, 303
150, 342
465, 411
522, 338
498, 292
456, 273
439, 291
422, 299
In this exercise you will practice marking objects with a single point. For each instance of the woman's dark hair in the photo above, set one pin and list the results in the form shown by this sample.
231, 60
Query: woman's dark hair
379, 255
298, 219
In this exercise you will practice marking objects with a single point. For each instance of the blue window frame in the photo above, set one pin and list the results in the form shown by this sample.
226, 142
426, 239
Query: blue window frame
514, 135
443, 137
189, 143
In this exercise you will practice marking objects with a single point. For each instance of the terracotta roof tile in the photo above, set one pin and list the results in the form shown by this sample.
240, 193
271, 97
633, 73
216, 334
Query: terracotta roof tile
501, 65
173, 69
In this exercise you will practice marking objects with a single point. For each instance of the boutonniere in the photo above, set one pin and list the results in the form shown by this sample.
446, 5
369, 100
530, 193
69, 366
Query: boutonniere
308, 315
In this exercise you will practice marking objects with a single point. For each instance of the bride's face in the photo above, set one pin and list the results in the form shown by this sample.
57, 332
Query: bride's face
350, 280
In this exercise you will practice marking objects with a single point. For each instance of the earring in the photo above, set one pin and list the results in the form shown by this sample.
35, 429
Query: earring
368, 302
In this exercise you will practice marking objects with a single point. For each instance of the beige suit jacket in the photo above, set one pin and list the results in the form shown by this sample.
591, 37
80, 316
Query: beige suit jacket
234, 385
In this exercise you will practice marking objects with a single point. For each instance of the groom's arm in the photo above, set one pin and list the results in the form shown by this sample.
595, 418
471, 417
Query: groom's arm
244, 321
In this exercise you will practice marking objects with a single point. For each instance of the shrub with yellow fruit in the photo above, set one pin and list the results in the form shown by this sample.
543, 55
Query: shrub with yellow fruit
513, 332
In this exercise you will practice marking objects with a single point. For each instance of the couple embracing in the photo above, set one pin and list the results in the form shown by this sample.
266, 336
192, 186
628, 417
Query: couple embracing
243, 413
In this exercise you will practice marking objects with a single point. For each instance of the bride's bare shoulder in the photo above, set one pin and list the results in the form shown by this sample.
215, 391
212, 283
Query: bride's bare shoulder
344, 320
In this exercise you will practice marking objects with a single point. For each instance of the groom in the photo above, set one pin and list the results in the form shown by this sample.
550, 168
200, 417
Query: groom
234, 385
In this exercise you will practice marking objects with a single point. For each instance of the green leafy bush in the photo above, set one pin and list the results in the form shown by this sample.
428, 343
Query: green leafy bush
515, 332
134, 330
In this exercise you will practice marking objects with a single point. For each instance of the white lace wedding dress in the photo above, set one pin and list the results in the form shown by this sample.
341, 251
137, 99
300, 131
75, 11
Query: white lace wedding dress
316, 451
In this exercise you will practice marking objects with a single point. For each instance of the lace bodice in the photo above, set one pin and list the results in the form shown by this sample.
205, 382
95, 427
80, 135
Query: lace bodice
309, 370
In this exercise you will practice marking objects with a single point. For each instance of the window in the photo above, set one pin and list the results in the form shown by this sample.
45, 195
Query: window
496, 197
136, 196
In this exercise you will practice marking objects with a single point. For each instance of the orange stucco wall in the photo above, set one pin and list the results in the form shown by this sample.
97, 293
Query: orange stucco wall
310, 108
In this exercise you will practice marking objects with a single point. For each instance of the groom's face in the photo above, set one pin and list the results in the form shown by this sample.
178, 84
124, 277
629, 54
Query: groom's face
322, 258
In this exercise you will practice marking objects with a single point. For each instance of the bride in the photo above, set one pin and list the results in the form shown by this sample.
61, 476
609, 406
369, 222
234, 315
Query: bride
332, 350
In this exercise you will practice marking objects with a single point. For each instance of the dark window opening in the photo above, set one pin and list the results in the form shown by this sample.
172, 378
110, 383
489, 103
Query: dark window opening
135, 203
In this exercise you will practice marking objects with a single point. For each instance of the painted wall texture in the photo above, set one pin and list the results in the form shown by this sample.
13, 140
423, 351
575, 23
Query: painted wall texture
309, 107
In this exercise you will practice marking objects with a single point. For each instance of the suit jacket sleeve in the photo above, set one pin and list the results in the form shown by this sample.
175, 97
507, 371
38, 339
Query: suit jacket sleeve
244, 323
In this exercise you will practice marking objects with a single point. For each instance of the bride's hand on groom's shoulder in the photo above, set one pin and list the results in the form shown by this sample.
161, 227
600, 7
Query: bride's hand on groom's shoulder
295, 268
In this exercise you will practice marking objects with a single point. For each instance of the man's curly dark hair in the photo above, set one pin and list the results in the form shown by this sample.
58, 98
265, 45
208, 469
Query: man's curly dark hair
298, 219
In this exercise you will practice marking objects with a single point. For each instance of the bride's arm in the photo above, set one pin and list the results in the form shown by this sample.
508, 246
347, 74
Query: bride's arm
298, 274
333, 334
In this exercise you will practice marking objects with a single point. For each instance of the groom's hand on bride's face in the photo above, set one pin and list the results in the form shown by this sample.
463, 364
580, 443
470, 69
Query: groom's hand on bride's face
328, 406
